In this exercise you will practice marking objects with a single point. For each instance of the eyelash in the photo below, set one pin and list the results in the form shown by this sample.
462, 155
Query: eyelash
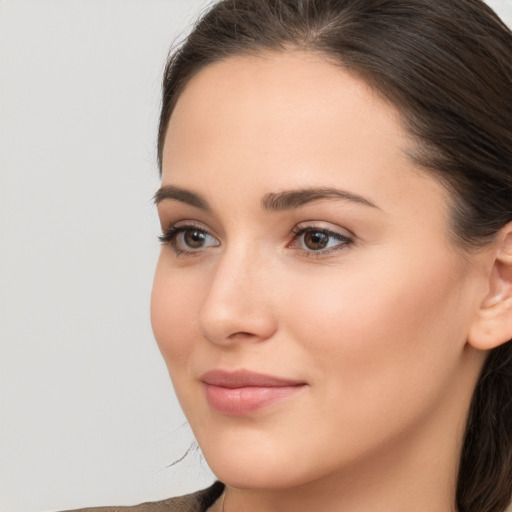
344, 240
170, 235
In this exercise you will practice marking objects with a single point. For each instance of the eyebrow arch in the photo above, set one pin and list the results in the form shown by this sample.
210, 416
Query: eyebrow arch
180, 194
291, 199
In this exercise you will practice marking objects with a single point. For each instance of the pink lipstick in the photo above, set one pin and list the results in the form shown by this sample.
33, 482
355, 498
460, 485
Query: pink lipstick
243, 392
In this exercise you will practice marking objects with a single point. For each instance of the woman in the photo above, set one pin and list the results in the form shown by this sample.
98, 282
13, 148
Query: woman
333, 297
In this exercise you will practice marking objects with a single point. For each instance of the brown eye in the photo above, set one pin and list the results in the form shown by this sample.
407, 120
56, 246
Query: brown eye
188, 239
194, 238
316, 240
319, 241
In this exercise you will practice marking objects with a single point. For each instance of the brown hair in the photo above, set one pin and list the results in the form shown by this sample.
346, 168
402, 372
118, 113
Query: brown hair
447, 66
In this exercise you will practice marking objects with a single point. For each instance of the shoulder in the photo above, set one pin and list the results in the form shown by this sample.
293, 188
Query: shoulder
196, 502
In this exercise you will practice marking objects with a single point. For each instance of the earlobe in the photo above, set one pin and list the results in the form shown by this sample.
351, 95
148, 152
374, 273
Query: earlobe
493, 324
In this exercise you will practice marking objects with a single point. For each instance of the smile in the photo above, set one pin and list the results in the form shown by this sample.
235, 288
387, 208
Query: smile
243, 392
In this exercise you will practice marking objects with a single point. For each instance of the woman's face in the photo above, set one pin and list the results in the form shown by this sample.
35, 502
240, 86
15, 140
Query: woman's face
308, 301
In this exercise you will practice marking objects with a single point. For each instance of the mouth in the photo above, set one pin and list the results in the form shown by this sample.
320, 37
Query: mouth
243, 392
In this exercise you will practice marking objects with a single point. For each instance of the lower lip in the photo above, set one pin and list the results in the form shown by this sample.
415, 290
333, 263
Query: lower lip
246, 400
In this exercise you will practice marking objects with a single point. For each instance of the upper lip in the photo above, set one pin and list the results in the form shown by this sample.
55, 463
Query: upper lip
245, 378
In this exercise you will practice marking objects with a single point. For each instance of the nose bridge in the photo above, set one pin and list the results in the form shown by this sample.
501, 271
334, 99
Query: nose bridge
238, 301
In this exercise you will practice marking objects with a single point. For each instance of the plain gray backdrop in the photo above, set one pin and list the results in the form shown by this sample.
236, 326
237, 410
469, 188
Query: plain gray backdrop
87, 414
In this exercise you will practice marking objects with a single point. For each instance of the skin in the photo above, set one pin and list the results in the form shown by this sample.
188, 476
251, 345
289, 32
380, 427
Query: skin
376, 327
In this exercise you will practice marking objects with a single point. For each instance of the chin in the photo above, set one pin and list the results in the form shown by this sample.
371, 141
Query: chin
257, 474
250, 461
256, 460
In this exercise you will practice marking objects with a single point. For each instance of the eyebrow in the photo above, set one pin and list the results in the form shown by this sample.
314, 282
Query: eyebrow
182, 195
274, 201
292, 199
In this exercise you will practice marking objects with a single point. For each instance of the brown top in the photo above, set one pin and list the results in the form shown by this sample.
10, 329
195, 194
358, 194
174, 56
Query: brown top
196, 502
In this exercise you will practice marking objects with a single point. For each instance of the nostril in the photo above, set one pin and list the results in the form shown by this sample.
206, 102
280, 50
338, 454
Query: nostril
242, 335
236, 336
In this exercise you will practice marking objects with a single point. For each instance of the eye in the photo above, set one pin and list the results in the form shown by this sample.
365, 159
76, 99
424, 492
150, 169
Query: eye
188, 239
318, 240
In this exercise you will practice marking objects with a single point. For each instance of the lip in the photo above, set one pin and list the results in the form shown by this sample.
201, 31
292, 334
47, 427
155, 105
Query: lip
244, 392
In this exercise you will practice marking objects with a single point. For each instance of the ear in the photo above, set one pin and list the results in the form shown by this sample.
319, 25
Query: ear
493, 323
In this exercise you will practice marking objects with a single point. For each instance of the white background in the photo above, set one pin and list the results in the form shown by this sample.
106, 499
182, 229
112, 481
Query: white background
87, 416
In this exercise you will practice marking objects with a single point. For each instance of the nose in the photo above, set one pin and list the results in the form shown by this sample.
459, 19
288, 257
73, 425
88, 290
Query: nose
238, 303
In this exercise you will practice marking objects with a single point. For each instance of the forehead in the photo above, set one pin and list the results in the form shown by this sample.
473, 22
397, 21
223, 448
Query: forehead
268, 89
276, 99
279, 119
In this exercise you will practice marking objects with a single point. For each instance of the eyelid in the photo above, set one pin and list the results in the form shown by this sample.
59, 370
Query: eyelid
345, 239
189, 223
325, 226
170, 234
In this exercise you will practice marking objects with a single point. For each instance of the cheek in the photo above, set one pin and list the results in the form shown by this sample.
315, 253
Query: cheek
378, 336
172, 305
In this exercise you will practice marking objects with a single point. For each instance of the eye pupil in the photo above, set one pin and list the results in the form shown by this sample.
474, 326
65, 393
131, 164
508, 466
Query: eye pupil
316, 240
194, 238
